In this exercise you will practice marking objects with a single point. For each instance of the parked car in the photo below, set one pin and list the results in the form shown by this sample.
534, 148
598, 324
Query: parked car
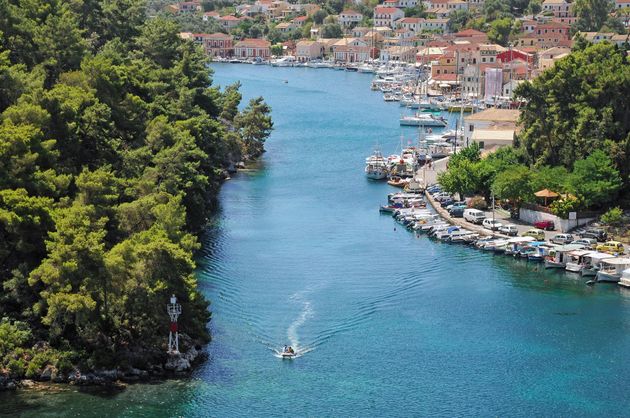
474, 215
611, 247
536, 233
545, 225
561, 239
457, 211
491, 224
446, 202
597, 233
454, 204
439, 195
510, 230
587, 242
434, 188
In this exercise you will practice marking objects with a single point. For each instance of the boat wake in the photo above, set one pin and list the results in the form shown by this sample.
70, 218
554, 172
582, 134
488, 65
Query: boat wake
292, 332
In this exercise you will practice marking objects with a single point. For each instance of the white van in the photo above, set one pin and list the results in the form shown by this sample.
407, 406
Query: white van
474, 215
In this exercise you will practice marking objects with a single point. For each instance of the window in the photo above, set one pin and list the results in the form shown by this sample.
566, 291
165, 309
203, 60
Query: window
471, 128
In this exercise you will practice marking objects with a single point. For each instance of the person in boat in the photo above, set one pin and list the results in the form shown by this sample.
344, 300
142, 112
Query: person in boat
285, 349
291, 350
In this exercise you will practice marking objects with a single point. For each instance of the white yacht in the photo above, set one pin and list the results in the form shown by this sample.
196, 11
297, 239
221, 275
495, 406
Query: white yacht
288, 61
423, 119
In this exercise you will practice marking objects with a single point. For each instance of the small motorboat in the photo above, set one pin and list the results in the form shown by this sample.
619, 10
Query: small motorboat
288, 352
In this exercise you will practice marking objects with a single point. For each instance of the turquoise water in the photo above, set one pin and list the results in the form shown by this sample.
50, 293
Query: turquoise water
388, 324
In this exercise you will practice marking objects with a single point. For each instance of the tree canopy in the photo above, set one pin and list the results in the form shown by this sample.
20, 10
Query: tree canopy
112, 146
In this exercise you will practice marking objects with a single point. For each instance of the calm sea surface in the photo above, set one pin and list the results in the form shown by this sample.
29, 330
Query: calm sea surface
388, 324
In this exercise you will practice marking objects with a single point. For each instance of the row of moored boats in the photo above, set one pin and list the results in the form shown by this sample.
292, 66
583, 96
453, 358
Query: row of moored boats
409, 209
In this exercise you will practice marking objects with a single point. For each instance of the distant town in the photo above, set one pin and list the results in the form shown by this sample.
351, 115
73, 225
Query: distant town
459, 40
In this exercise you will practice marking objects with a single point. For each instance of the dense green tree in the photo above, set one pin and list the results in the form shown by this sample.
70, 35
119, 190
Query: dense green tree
513, 184
255, 125
331, 30
458, 20
578, 106
591, 14
595, 179
416, 11
113, 143
319, 16
500, 30
552, 178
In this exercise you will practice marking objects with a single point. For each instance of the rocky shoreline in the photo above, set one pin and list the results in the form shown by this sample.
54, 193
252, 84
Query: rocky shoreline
162, 366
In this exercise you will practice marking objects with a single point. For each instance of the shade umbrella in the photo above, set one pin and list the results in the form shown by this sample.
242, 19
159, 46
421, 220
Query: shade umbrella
546, 194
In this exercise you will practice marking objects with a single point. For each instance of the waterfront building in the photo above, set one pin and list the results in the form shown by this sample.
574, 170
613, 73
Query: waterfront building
491, 127
387, 16
351, 50
399, 53
218, 45
252, 48
309, 50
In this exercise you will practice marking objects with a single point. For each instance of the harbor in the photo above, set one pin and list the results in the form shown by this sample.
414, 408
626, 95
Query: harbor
386, 322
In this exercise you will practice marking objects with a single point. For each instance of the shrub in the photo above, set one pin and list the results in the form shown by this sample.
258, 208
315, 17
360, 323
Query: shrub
478, 202
614, 216
562, 207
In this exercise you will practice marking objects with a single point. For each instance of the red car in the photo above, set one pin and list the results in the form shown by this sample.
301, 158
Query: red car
546, 225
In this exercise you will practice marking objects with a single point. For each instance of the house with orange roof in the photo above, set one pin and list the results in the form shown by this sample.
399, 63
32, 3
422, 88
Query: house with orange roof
210, 15
476, 4
351, 50
218, 45
230, 21
387, 16
252, 48
299, 21
184, 7
470, 33
309, 50
457, 5
349, 18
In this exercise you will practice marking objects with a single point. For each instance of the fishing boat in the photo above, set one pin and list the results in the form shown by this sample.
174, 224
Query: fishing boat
625, 278
576, 260
398, 182
376, 167
593, 262
557, 257
612, 268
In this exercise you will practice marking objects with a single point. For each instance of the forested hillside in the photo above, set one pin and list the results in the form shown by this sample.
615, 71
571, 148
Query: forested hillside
112, 146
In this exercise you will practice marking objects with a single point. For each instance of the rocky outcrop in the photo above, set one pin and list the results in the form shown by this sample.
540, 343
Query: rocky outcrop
145, 365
